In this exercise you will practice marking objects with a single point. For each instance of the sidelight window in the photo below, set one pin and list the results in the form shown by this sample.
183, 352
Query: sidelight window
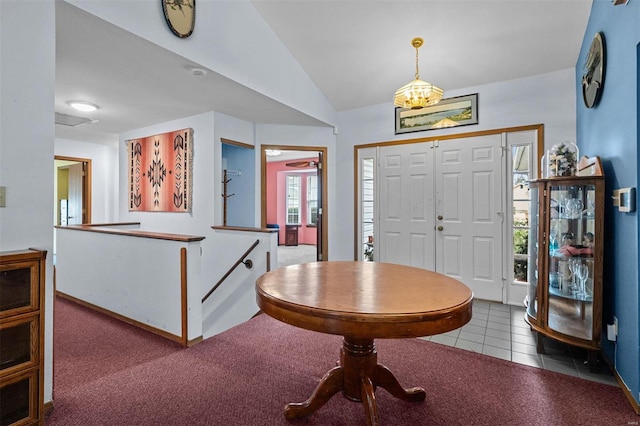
293, 199
520, 174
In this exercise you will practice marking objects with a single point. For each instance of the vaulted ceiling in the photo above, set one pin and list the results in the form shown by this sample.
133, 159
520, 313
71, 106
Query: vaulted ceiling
356, 52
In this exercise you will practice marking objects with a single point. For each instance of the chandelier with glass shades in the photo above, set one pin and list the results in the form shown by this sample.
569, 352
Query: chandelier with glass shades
418, 93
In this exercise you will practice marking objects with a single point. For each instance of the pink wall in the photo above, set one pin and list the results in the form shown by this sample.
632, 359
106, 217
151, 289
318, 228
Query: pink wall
276, 206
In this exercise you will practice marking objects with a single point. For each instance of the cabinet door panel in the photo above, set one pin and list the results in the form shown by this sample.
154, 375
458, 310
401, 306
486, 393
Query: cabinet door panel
18, 288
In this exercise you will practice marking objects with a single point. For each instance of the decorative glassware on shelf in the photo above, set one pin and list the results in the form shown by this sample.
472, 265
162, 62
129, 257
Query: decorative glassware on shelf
573, 208
561, 160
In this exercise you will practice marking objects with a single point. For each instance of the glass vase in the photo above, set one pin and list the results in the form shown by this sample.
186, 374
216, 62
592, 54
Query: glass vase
561, 160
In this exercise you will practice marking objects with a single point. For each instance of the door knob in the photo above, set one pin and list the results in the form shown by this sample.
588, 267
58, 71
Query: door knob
440, 217
440, 228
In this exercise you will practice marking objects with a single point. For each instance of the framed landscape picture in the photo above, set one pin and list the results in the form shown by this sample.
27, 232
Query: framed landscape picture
450, 112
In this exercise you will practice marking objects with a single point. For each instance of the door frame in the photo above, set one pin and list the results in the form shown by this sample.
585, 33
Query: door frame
323, 238
86, 184
539, 128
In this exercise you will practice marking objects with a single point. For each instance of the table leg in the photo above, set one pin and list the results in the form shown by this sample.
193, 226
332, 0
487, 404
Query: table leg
369, 402
357, 376
330, 384
384, 378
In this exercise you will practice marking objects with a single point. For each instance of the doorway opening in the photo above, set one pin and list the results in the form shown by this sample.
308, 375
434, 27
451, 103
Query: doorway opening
238, 184
294, 201
72, 191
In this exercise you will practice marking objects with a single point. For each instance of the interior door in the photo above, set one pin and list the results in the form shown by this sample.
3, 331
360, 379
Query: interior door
406, 205
469, 220
319, 173
74, 206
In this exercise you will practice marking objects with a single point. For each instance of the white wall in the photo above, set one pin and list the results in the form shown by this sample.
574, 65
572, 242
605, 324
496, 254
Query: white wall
27, 74
104, 175
548, 99
231, 39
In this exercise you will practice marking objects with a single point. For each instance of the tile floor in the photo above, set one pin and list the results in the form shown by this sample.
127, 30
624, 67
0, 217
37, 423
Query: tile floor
500, 331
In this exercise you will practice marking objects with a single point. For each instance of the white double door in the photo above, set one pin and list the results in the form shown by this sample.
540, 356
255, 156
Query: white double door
440, 208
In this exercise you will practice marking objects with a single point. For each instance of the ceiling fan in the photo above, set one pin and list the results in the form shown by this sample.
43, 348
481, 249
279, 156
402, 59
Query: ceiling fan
302, 164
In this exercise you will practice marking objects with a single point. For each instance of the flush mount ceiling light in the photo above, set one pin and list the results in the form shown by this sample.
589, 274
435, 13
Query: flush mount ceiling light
418, 93
82, 106
198, 72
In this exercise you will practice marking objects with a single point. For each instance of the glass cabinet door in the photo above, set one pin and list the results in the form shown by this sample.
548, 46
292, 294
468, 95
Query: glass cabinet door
534, 230
570, 241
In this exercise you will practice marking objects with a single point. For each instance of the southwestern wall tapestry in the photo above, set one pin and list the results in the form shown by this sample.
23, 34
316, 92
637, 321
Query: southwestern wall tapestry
160, 170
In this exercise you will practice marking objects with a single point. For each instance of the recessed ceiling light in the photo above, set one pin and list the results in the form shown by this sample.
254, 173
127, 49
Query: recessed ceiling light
83, 106
198, 72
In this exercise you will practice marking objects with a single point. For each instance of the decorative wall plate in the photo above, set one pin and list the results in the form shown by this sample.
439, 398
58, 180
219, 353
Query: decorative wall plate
180, 16
593, 76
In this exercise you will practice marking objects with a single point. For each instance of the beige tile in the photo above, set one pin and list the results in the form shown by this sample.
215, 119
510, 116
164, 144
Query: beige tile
470, 328
499, 334
523, 348
444, 340
523, 338
472, 337
498, 343
497, 352
498, 326
469, 346
526, 359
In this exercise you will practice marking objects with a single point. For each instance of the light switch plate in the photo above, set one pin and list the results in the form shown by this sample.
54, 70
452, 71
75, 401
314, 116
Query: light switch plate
625, 199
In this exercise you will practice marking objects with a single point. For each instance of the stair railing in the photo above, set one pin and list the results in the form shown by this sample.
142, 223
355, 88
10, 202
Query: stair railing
248, 263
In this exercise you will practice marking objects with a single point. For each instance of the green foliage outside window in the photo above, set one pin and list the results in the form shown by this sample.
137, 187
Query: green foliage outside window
520, 247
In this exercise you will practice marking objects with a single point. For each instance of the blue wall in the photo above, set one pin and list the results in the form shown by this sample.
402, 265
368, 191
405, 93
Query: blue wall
610, 131
241, 206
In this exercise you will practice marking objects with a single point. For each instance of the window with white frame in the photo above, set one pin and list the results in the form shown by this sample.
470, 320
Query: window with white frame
293, 199
520, 176
312, 200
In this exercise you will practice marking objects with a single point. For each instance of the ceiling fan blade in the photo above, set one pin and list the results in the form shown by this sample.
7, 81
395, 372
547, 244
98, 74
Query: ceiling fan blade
301, 164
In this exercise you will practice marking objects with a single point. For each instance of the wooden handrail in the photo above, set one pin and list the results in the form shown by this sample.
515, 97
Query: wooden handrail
248, 264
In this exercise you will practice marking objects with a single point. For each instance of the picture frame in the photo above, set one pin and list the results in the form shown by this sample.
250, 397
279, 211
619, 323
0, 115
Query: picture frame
450, 112
180, 16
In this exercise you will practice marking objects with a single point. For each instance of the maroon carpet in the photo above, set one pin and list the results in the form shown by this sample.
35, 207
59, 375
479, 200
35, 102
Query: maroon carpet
110, 373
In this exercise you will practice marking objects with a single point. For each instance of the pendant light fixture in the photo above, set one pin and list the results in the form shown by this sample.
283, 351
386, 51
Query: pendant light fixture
417, 94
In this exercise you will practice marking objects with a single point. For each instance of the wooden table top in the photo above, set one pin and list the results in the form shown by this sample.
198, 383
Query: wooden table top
365, 299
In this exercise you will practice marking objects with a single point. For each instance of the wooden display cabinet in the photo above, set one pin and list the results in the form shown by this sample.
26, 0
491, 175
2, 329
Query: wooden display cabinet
291, 235
22, 278
564, 300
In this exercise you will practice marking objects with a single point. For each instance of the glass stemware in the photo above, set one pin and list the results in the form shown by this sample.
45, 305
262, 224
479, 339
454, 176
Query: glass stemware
573, 208
591, 205
582, 274
572, 268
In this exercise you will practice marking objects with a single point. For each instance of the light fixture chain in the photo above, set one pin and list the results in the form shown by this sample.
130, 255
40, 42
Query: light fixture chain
417, 73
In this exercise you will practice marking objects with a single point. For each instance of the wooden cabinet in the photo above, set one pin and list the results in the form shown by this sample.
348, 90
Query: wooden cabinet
22, 280
564, 300
291, 235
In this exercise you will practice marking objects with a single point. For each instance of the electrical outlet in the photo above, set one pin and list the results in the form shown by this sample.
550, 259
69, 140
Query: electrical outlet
615, 325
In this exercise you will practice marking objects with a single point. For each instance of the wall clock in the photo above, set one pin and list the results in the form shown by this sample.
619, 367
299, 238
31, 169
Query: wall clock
180, 16
593, 75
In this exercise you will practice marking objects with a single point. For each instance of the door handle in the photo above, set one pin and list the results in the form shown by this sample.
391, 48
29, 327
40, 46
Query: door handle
440, 228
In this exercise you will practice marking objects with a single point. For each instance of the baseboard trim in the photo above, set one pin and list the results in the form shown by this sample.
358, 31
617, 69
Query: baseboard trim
625, 390
147, 327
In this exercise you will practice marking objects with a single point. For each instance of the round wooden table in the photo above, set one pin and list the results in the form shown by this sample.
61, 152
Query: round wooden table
362, 301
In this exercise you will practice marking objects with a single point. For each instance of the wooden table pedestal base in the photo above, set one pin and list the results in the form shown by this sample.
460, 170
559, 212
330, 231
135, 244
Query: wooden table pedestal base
357, 376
